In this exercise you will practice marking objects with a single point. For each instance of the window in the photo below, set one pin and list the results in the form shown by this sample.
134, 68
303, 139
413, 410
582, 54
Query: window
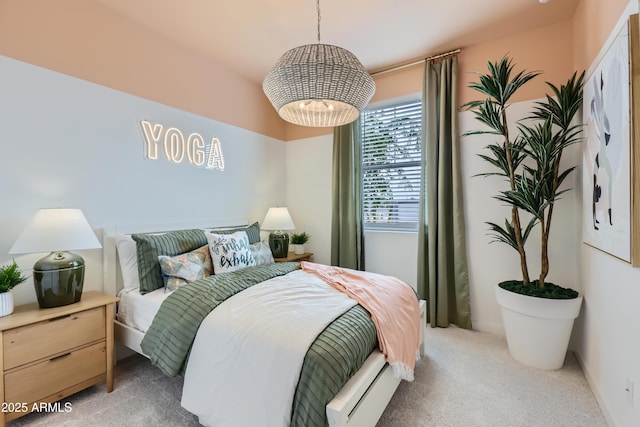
391, 159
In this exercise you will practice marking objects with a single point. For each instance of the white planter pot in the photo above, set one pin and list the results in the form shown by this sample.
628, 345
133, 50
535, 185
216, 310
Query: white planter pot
537, 329
298, 249
6, 303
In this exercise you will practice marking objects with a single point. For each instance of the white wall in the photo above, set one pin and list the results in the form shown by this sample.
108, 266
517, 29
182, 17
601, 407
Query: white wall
608, 333
392, 253
309, 192
70, 143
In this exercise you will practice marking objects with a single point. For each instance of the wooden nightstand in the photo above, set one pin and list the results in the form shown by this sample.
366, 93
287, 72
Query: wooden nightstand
51, 353
295, 257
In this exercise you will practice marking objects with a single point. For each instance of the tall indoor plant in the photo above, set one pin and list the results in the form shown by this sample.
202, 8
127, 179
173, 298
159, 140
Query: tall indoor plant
529, 159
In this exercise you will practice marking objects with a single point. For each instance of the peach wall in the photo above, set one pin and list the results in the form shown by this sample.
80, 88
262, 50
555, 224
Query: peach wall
86, 40
548, 49
593, 21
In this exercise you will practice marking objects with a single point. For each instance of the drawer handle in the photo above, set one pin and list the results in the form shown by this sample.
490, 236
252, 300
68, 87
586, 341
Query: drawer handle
59, 357
59, 318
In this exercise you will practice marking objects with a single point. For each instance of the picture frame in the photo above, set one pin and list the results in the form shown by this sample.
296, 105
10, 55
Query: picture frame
611, 148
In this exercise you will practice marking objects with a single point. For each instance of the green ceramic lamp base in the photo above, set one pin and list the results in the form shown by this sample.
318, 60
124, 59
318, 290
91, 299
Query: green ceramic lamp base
279, 244
58, 279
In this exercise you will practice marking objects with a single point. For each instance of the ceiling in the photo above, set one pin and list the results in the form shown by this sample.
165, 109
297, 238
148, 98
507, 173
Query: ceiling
248, 36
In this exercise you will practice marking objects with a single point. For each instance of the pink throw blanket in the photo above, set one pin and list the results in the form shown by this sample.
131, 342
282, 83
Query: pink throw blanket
393, 307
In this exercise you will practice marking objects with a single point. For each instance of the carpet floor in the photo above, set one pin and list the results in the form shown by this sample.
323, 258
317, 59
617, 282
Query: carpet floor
467, 379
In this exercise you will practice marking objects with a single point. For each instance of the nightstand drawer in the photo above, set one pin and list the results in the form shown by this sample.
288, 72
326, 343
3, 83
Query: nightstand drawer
51, 376
39, 340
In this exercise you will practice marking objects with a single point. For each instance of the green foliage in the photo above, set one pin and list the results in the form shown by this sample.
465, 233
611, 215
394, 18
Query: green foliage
530, 161
300, 238
497, 85
10, 277
498, 157
507, 234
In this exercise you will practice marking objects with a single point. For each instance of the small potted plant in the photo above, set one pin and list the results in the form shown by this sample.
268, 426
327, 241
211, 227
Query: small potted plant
10, 277
298, 240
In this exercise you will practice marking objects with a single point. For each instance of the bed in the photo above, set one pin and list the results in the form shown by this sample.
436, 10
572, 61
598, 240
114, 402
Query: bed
359, 402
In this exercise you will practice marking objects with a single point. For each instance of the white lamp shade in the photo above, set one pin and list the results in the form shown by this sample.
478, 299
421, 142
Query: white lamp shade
278, 219
53, 230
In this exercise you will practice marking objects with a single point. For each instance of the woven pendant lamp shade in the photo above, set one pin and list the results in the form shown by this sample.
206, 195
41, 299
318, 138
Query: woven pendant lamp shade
318, 85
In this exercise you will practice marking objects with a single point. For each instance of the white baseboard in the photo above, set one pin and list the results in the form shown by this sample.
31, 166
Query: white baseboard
596, 392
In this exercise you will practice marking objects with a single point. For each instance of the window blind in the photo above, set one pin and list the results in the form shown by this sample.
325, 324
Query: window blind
391, 165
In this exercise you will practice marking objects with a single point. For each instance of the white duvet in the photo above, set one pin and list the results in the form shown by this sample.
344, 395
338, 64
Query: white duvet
247, 355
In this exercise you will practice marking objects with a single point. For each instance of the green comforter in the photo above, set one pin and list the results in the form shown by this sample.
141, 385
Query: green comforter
336, 354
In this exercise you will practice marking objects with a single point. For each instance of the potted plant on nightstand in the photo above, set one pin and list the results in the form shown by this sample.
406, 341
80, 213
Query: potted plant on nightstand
537, 315
10, 277
298, 240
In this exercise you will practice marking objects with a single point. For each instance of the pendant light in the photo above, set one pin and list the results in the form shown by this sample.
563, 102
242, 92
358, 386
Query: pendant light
318, 85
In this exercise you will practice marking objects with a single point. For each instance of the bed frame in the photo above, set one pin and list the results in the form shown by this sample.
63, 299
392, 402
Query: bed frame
361, 401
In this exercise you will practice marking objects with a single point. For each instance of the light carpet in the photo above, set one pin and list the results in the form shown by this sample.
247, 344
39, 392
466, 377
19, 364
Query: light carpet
467, 379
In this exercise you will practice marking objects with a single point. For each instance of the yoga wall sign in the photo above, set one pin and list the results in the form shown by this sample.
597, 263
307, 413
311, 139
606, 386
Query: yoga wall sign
177, 147
611, 156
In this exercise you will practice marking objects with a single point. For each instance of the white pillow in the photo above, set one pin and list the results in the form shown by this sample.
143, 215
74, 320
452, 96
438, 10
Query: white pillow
128, 257
230, 252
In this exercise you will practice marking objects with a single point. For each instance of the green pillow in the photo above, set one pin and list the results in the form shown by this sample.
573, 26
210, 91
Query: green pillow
253, 232
150, 246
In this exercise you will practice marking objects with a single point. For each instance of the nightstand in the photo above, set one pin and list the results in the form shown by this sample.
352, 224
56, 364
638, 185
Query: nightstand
51, 353
295, 257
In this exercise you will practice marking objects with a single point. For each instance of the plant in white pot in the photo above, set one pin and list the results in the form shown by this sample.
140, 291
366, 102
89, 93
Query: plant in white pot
10, 277
537, 315
298, 240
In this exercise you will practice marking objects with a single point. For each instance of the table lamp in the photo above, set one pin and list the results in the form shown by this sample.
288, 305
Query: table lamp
58, 277
278, 220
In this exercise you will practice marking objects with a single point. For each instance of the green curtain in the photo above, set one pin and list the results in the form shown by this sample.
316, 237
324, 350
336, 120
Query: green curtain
442, 262
347, 239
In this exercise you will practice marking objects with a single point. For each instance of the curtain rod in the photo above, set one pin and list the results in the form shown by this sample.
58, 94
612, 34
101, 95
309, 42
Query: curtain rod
411, 64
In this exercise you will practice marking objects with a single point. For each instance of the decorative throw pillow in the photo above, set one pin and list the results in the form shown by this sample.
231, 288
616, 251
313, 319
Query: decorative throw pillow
150, 246
253, 232
261, 252
186, 267
230, 252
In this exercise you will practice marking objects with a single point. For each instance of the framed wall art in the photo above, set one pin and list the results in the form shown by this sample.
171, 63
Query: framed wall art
611, 153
